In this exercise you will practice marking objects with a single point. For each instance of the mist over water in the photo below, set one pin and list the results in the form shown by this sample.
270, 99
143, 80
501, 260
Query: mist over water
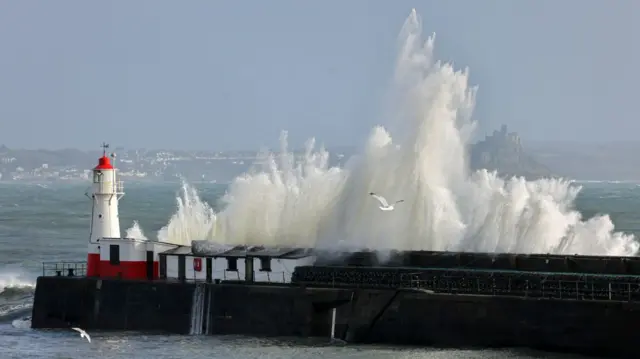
419, 156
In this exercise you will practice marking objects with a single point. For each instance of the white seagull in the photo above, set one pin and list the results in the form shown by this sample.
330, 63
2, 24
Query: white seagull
385, 206
83, 334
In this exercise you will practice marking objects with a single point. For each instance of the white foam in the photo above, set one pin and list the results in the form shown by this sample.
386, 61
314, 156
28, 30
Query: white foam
135, 232
14, 280
23, 323
13, 308
209, 247
15, 293
419, 156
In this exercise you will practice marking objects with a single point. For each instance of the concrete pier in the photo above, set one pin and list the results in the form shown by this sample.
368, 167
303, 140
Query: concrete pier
390, 316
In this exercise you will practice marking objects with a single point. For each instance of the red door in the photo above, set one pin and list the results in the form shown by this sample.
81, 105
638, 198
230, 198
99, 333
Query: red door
197, 264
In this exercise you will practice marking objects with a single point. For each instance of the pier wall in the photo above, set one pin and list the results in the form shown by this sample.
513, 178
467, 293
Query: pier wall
183, 307
111, 304
390, 316
577, 326
269, 310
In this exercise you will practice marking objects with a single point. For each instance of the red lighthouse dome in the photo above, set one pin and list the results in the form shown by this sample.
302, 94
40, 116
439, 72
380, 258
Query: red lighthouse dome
104, 163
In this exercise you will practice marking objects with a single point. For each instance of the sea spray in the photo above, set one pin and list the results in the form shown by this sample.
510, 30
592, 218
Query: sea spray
16, 293
135, 232
419, 156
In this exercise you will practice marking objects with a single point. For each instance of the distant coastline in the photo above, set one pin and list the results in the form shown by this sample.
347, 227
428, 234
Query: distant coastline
502, 151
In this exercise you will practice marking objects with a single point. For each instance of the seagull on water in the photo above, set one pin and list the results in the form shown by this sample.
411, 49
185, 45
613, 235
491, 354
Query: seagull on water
384, 205
83, 334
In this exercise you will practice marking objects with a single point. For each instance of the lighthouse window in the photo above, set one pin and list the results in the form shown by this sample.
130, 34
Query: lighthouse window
96, 176
114, 254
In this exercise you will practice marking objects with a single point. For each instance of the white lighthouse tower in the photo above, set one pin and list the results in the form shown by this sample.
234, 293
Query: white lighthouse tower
105, 223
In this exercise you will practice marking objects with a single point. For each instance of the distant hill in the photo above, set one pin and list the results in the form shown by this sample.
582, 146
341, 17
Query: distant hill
503, 152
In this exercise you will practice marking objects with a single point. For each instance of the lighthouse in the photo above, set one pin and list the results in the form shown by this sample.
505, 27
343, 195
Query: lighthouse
109, 255
105, 223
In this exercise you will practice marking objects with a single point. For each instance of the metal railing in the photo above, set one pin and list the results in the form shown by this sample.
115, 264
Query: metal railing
226, 275
116, 187
64, 269
584, 289
269, 277
275, 277
119, 187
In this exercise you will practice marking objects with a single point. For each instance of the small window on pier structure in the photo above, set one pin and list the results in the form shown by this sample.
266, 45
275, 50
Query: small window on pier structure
232, 264
265, 264
114, 254
96, 176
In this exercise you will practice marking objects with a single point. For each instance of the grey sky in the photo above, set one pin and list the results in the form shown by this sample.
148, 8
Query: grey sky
232, 74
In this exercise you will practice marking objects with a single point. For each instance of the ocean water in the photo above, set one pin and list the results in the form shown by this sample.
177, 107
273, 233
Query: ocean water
50, 222
418, 156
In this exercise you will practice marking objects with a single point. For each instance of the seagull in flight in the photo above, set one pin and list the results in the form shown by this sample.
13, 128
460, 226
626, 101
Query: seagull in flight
83, 334
384, 205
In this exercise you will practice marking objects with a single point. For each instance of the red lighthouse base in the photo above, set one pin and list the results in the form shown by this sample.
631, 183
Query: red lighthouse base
96, 267
129, 270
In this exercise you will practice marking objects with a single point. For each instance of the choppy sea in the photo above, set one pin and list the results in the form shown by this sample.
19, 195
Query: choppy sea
50, 222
